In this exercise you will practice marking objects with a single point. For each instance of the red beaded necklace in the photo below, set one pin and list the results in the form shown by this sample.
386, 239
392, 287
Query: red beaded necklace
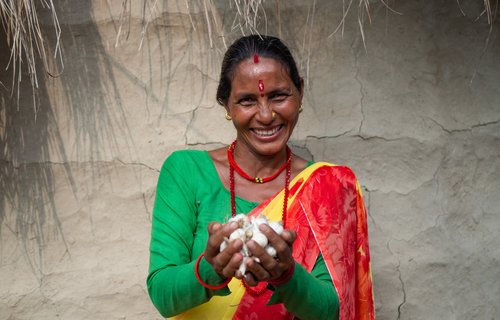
233, 166
242, 173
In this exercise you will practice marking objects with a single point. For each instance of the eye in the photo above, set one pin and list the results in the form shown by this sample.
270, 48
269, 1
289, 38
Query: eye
246, 101
278, 97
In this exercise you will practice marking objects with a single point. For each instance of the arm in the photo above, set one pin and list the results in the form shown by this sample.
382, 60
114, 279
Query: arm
171, 274
309, 295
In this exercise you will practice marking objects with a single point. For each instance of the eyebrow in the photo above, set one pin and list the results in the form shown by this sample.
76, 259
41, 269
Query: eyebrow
286, 90
242, 96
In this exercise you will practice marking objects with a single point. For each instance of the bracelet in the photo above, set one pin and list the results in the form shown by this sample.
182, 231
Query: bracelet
284, 277
206, 285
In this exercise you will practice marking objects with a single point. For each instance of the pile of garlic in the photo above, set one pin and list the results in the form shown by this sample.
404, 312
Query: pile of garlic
248, 229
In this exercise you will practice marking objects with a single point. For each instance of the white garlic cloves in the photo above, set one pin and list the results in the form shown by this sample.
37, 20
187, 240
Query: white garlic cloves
224, 244
259, 220
248, 234
248, 229
276, 226
241, 219
237, 234
244, 250
260, 238
243, 267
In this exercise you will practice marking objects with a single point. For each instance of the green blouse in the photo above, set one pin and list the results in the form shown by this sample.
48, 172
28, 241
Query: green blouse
189, 196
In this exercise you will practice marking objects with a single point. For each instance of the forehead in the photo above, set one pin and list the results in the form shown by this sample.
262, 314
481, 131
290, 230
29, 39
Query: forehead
269, 68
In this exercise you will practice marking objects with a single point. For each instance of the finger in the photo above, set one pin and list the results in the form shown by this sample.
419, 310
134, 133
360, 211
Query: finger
258, 272
284, 248
232, 266
250, 279
213, 227
289, 236
281, 243
221, 261
264, 259
217, 232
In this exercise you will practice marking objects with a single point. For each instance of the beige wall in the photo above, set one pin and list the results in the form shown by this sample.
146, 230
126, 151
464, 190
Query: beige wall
416, 116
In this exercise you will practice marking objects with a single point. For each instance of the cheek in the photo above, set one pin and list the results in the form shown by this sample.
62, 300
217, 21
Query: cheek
241, 116
289, 110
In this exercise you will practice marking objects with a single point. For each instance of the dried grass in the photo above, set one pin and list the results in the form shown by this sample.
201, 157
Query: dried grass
250, 17
148, 12
212, 16
20, 21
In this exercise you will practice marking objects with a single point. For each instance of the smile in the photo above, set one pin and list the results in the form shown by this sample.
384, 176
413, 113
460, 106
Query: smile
267, 132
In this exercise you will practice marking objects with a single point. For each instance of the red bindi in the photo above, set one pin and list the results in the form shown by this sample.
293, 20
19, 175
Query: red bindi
255, 58
261, 88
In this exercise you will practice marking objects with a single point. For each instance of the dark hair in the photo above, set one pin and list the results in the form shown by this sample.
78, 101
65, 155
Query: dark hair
246, 47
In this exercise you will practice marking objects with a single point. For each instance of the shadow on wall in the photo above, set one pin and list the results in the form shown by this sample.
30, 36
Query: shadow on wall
31, 142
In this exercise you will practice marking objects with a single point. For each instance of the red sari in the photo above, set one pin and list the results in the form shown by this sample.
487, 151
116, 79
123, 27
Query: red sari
327, 212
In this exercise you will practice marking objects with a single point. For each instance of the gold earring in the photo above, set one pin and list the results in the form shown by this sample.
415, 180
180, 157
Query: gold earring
301, 108
228, 117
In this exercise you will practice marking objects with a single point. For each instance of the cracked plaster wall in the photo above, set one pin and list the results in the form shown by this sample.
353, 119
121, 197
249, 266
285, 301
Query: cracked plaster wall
416, 115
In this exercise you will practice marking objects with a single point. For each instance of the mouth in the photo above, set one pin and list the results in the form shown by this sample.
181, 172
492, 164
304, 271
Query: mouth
267, 132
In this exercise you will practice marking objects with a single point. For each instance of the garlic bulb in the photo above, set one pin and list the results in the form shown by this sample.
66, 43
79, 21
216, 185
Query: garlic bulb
260, 238
248, 229
276, 226
237, 234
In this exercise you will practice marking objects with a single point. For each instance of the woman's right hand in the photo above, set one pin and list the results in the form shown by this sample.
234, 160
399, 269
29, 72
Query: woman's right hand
225, 263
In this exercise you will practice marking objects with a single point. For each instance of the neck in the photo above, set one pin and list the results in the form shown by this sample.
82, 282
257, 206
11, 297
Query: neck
258, 165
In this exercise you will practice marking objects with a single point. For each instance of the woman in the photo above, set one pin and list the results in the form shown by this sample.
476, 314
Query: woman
322, 266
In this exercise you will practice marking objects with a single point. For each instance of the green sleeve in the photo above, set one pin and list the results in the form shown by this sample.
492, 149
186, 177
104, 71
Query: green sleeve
171, 267
309, 295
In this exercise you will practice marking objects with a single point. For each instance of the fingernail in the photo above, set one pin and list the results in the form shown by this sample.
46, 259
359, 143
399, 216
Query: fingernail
264, 227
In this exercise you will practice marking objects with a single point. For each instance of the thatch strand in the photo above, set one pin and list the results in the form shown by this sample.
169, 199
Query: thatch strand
148, 12
460, 7
492, 15
209, 25
189, 14
125, 9
19, 19
146, 24
310, 24
247, 16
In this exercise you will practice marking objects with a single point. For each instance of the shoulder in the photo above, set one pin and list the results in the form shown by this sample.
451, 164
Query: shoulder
341, 173
187, 154
185, 158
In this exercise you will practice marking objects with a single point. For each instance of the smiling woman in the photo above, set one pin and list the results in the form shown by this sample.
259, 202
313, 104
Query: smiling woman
264, 105
319, 266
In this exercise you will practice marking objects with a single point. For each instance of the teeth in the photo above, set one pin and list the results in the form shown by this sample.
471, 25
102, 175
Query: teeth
267, 133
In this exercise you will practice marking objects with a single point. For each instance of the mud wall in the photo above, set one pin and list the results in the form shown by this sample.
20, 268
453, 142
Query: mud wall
414, 109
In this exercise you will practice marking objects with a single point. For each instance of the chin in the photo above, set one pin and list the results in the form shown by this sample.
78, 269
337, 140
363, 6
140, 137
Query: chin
269, 148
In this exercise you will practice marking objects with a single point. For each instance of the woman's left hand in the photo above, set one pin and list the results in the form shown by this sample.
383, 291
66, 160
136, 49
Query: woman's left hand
269, 268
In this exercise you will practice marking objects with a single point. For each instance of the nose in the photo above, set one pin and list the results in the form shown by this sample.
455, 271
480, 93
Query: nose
265, 114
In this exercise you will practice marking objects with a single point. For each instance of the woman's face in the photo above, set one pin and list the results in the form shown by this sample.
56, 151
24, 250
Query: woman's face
261, 87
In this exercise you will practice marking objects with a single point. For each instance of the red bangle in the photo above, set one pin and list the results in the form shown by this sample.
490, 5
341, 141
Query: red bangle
206, 285
284, 277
